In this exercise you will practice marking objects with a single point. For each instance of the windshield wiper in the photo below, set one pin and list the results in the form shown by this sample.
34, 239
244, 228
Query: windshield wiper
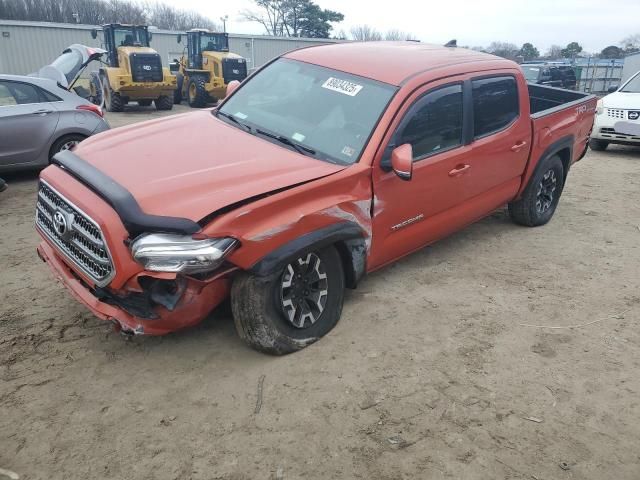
286, 141
234, 120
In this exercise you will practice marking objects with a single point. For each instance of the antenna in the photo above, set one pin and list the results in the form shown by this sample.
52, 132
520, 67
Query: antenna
451, 43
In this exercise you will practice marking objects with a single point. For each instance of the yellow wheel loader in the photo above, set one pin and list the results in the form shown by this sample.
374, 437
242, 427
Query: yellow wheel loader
206, 69
133, 71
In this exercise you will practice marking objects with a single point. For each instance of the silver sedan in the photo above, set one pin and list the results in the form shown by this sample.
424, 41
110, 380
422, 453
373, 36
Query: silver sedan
39, 118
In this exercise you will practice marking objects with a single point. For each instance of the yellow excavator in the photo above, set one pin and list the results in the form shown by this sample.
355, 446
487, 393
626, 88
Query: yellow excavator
206, 69
133, 71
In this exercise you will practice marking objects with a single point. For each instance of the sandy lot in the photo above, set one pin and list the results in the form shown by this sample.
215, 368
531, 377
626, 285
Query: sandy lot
433, 372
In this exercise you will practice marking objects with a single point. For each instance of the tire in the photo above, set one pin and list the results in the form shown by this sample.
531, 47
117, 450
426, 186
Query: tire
541, 196
177, 94
113, 102
598, 145
164, 102
145, 103
65, 143
197, 92
95, 89
258, 303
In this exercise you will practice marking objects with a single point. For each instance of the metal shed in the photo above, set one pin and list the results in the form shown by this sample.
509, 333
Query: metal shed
27, 46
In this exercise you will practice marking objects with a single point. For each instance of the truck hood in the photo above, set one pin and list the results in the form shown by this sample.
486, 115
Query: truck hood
622, 100
193, 164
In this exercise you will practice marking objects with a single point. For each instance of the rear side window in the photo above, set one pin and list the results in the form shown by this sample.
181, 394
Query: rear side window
435, 122
48, 96
495, 104
6, 98
24, 93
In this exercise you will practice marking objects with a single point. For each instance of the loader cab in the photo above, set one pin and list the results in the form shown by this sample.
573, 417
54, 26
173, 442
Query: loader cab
117, 35
199, 41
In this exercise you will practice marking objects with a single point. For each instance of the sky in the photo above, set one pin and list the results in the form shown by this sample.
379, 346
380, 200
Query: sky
592, 23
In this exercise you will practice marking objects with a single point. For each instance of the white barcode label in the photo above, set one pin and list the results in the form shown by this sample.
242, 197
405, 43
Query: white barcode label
342, 86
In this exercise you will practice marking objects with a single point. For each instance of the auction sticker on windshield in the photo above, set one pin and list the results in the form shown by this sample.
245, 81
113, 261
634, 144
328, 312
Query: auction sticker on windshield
342, 86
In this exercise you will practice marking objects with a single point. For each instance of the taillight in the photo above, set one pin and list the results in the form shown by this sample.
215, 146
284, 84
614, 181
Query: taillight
91, 108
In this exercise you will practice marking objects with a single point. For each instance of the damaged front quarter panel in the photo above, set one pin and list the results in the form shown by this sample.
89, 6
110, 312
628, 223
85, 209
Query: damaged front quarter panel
334, 210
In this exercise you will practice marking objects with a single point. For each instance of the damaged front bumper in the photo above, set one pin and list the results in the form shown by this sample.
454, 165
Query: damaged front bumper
152, 304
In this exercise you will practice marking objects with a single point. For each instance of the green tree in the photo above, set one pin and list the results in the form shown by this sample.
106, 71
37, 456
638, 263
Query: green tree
572, 50
528, 52
293, 18
612, 52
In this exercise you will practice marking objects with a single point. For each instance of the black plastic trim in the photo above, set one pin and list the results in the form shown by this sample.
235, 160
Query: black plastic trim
554, 148
120, 199
277, 259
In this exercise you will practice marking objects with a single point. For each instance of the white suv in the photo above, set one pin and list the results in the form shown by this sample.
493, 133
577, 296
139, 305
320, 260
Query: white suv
618, 117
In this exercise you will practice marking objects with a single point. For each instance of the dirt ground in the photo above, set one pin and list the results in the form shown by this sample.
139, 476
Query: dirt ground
435, 370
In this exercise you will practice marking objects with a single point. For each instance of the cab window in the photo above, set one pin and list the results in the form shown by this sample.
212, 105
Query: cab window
495, 104
434, 123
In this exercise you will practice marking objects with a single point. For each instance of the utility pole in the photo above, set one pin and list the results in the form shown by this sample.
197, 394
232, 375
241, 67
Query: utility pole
224, 22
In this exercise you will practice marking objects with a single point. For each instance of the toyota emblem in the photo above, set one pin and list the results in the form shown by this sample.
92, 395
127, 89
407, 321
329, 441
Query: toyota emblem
60, 223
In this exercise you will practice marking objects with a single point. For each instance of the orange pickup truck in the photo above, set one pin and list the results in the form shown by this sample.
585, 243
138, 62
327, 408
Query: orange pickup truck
328, 163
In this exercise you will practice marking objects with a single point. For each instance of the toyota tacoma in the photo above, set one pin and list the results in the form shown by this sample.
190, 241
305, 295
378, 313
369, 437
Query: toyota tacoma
328, 163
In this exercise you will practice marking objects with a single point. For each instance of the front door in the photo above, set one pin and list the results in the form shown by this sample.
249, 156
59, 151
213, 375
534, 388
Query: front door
409, 214
27, 122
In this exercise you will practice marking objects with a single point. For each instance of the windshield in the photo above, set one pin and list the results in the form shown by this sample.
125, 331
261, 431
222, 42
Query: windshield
327, 111
633, 85
531, 73
213, 43
130, 37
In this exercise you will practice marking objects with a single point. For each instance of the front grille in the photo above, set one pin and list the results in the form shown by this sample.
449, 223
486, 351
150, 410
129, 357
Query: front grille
606, 132
615, 113
75, 235
146, 67
234, 69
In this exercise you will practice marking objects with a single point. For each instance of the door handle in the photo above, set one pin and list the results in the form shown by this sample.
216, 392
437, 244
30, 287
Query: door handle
42, 112
518, 146
459, 170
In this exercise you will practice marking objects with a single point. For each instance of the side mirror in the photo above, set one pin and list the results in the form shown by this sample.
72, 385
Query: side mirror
174, 66
179, 38
402, 161
94, 33
612, 88
232, 86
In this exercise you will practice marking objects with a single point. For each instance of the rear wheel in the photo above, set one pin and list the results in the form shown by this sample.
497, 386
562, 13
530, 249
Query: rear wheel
598, 145
164, 102
197, 92
177, 94
145, 103
292, 308
113, 102
66, 142
541, 196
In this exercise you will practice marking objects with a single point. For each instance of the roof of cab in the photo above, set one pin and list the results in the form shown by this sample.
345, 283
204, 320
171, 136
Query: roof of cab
393, 62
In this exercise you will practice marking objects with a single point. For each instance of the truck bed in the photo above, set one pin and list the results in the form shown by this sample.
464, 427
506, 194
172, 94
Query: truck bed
545, 100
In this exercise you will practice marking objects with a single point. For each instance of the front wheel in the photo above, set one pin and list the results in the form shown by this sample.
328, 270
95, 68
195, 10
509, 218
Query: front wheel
541, 196
197, 92
598, 145
292, 308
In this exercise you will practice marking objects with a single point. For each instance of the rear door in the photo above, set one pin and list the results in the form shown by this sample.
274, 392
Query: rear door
501, 134
27, 122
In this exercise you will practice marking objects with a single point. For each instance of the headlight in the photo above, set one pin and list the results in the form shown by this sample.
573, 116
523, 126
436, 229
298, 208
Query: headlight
180, 254
599, 107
